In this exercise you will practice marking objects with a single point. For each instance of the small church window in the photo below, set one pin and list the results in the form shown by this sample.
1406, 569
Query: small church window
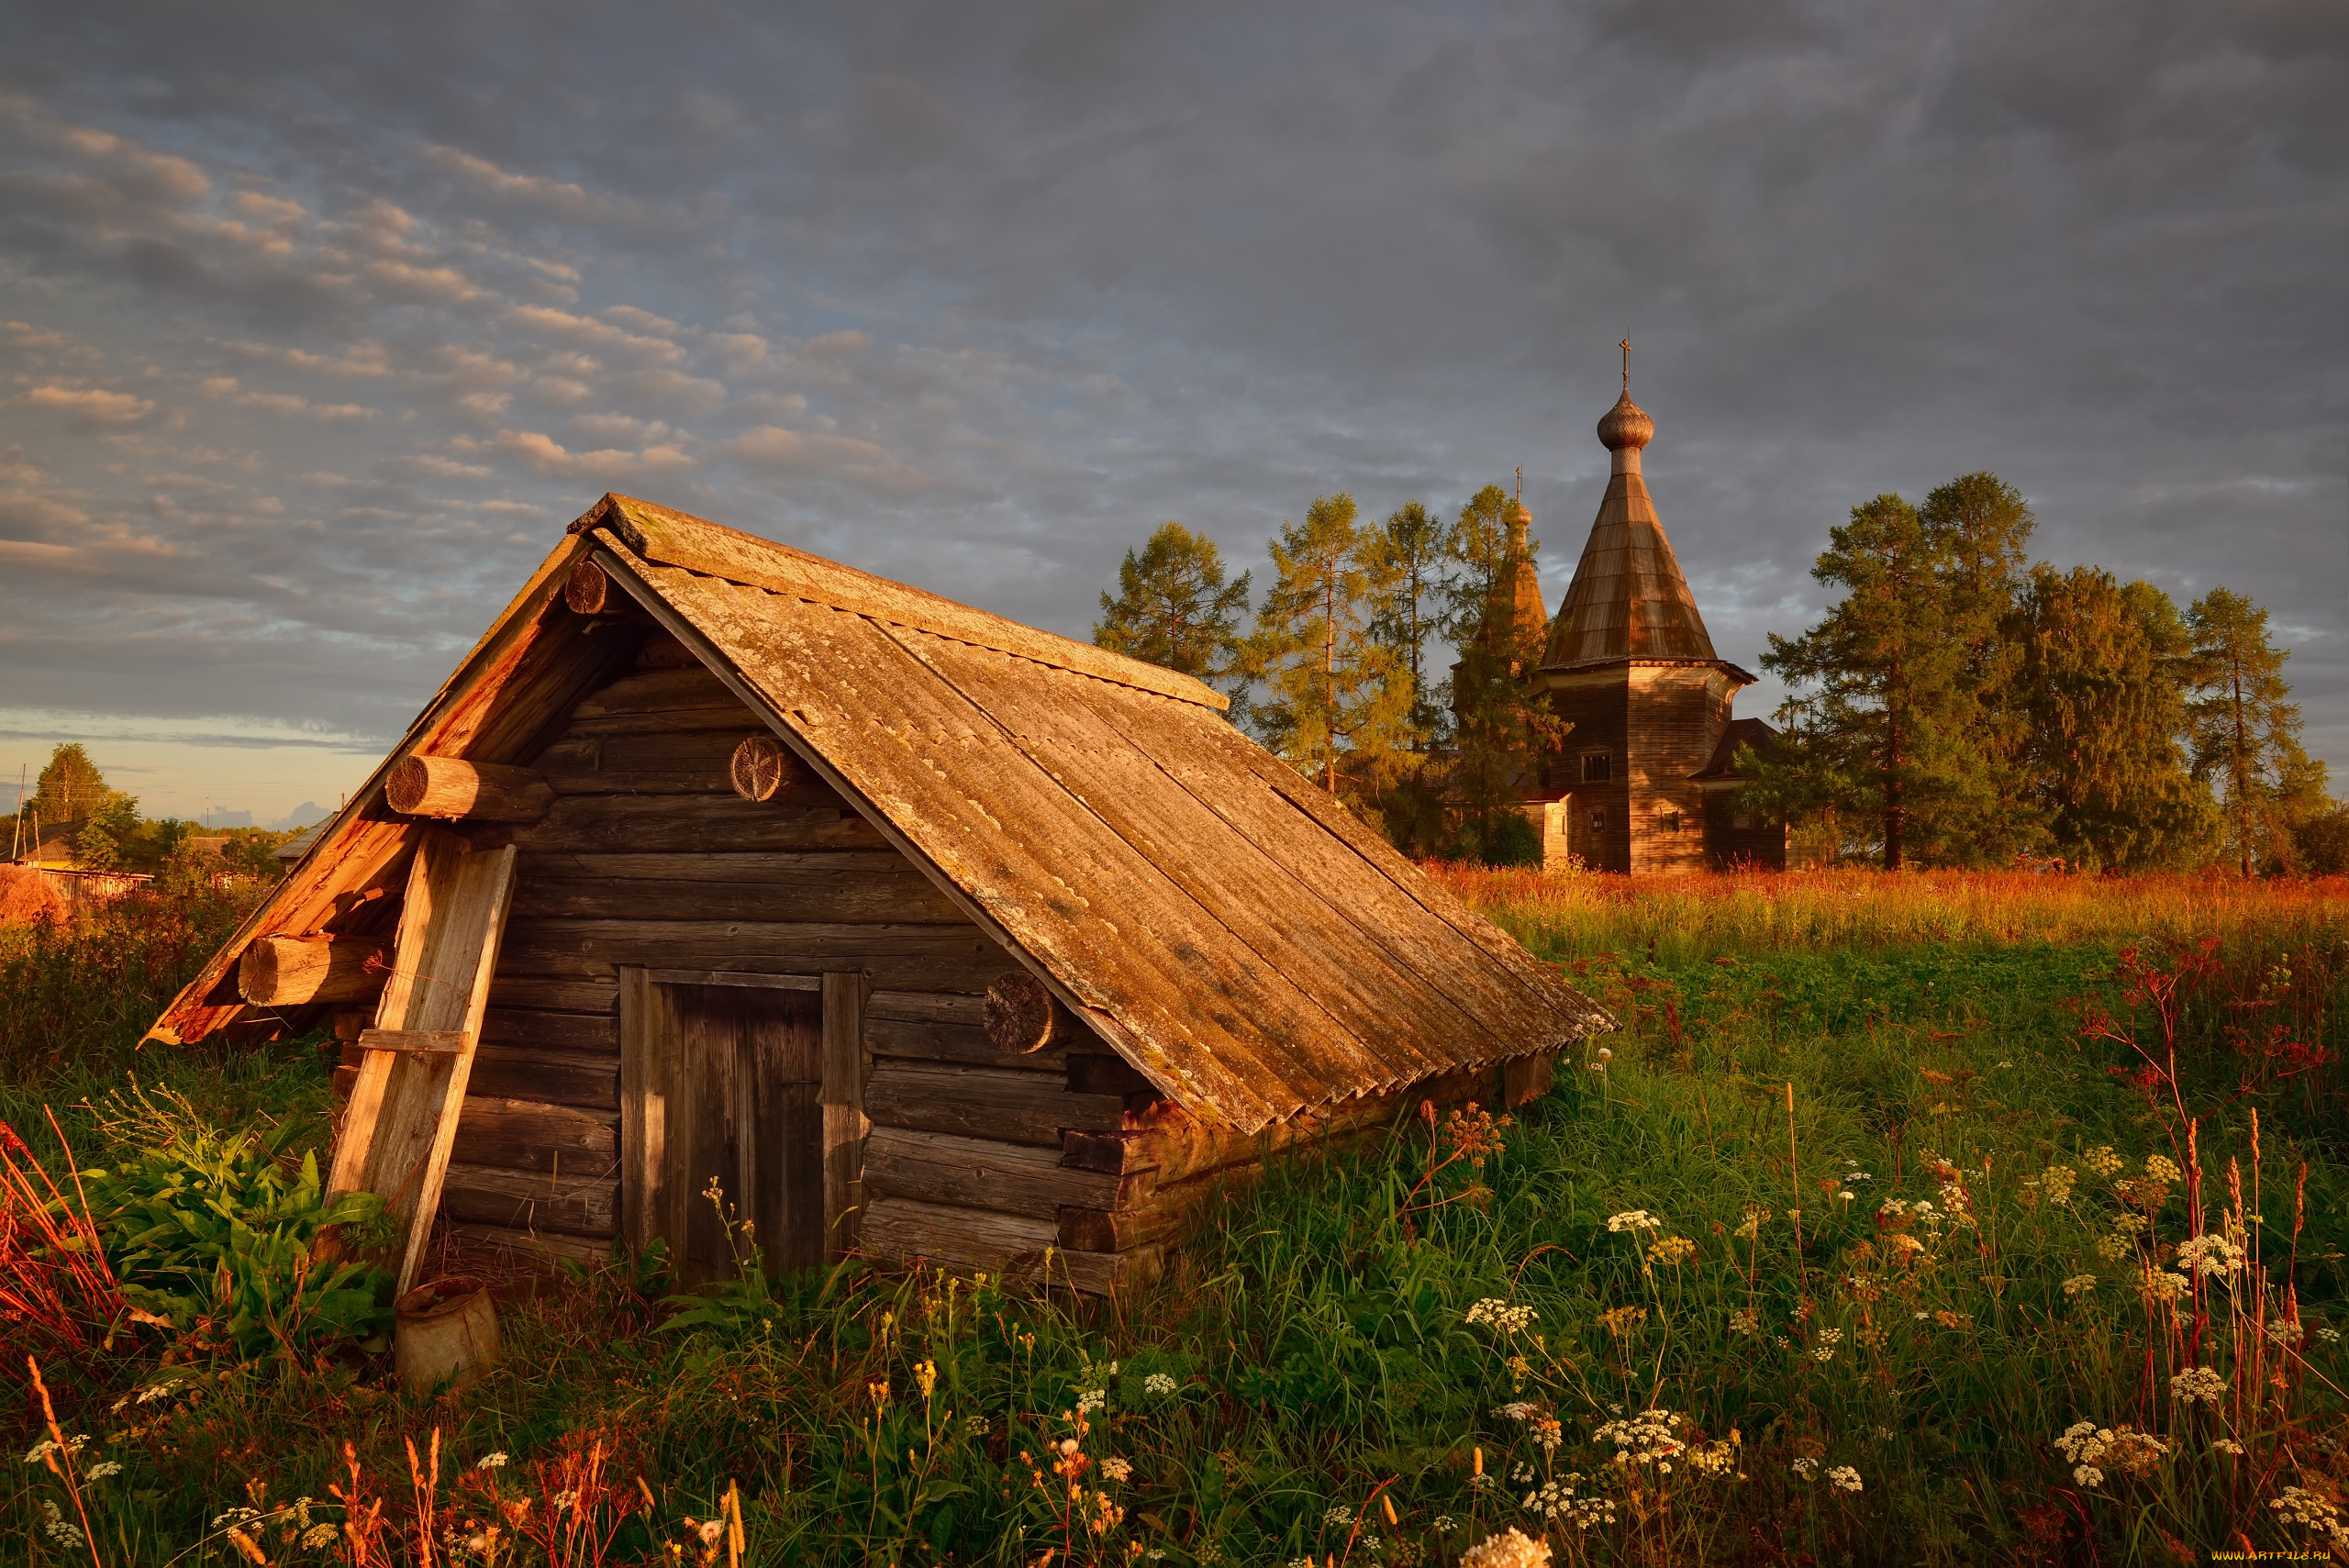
1745, 821
1597, 767
1598, 821
1669, 822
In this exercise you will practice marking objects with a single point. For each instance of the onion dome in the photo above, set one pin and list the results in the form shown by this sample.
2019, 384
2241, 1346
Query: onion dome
1625, 427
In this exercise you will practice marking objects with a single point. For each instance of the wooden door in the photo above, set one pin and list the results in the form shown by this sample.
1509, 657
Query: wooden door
725, 1082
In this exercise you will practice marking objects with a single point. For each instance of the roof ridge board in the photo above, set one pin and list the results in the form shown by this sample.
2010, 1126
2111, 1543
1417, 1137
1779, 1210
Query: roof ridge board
779, 568
1343, 1027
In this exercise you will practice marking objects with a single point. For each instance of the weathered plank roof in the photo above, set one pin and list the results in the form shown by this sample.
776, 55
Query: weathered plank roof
1228, 928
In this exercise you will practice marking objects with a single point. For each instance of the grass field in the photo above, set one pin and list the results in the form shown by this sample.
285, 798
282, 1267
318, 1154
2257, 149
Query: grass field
1884, 1188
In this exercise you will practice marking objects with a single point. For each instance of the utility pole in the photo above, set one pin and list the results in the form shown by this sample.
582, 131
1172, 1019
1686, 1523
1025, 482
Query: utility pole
16, 845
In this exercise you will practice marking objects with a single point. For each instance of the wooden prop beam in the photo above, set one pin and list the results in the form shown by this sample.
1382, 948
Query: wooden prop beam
454, 789
293, 972
401, 1121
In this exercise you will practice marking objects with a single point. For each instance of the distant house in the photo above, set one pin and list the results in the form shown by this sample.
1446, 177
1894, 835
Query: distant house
914, 928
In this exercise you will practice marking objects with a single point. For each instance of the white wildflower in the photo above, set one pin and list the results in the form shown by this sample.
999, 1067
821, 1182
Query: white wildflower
2228, 1445
1517, 1410
317, 1536
1159, 1382
2197, 1382
1633, 1219
2328, 1333
1494, 1313
2284, 1331
2209, 1254
1118, 1469
2079, 1285
103, 1469
1511, 1548
1338, 1516
491, 1461
2087, 1475
1092, 1399
1644, 1439
1804, 1465
58, 1527
1843, 1478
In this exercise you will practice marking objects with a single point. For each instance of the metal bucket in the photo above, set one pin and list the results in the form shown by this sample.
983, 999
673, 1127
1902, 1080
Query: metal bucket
446, 1334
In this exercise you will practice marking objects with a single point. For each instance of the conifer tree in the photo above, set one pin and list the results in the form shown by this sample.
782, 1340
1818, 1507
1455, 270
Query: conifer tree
1502, 728
1900, 715
1409, 562
1336, 699
2246, 736
2098, 692
1174, 606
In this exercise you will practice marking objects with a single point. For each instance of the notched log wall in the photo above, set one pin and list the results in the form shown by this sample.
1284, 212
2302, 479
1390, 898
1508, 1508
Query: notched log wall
976, 1157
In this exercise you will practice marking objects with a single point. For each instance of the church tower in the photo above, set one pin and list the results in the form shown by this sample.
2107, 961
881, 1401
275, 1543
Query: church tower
1644, 782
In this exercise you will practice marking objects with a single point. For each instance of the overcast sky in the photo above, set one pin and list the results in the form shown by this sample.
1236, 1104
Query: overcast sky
318, 323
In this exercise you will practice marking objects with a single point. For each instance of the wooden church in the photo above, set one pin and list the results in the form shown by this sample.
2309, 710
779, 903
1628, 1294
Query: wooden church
1646, 780
720, 868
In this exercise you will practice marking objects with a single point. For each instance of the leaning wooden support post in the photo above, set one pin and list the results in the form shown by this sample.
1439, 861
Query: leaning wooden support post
401, 1121
454, 789
293, 971
1023, 1017
841, 1096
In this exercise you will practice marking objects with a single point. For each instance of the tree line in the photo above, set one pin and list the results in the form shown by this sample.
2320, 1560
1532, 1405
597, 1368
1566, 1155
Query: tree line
72, 800
1342, 669
1958, 704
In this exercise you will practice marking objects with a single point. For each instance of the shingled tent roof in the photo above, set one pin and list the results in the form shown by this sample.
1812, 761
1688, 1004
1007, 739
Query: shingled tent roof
1229, 929
1627, 599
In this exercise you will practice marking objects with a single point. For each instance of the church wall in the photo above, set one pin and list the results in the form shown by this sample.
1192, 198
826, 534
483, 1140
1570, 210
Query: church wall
1594, 704
1675, 714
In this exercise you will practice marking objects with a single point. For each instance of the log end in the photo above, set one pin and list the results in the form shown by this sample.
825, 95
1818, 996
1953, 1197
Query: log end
586, 589
1019, 1014
407, 784
759, 767
257, 972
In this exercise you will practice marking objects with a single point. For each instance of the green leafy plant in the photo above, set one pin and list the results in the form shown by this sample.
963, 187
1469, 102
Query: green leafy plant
220, 1234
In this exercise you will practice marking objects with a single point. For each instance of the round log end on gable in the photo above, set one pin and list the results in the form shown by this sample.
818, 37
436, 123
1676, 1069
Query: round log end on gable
405, 787
586, 589
1020, 1015
759, 767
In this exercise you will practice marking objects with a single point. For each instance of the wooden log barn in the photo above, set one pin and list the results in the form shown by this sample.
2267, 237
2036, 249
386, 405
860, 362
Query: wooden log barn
913, 930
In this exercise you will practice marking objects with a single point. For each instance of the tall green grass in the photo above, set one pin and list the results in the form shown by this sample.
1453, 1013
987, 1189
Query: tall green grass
1859, 1382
